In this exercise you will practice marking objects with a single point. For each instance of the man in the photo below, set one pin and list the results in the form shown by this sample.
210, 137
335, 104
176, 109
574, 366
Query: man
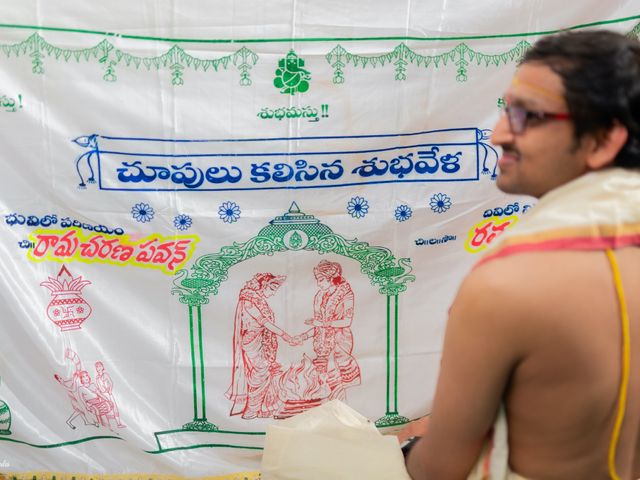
93, 400
541, 326
105, 388
72, 385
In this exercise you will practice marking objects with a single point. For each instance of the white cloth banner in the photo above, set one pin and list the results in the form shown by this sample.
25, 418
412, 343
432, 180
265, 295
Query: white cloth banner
214, 217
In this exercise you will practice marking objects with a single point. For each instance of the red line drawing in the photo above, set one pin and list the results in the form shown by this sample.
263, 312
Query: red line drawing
259, 385
254, 388
72, 385
334, 364
67, 309
87, 400
105, 387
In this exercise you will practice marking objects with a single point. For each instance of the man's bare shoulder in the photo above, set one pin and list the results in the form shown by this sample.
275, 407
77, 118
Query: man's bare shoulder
499, 302
505, 279
566, 292
524, 273
521, 287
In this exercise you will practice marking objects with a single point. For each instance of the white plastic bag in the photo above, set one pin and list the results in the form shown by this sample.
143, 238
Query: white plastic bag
330, 442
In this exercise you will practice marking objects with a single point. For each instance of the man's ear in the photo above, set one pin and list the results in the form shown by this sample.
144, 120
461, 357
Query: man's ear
606, 147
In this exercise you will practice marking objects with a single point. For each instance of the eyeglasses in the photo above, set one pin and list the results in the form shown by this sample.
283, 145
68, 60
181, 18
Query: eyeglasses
519, 117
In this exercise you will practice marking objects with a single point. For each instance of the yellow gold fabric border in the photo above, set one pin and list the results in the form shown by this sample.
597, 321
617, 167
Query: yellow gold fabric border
43, 475
584, 231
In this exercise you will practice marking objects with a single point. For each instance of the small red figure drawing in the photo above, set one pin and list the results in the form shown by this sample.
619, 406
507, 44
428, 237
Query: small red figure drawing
254, 388
87, 400
105, 387
260, 387
67, 309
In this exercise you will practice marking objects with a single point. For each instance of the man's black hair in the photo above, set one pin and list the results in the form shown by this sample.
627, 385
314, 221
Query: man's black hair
600, 71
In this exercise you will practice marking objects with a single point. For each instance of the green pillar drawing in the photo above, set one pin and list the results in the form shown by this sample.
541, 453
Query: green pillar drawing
293, 231
194, 302
391, 290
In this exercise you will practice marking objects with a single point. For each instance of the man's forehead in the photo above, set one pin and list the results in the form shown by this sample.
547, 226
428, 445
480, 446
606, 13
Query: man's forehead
537, 85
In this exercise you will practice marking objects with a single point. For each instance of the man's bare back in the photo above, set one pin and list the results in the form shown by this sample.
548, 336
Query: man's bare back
563, 392
541, 331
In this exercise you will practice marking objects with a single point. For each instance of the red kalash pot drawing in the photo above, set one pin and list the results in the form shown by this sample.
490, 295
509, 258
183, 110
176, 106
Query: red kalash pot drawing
67, 309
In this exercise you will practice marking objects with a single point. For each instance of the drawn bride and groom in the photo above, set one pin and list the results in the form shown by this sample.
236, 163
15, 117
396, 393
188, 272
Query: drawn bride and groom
260, 386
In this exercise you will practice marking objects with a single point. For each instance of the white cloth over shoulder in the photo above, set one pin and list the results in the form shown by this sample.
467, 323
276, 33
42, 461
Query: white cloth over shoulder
331, 441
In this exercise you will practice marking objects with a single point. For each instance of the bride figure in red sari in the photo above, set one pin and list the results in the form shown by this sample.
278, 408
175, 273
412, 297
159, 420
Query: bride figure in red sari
332, 338
254, 388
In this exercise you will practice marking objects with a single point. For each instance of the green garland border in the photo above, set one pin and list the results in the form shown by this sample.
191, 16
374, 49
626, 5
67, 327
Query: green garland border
176, 59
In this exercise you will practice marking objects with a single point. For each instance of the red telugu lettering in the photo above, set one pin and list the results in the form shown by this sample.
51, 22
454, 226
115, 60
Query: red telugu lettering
44, 243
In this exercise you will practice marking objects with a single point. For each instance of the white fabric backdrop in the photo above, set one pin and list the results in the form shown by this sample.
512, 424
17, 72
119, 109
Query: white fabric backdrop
380, 81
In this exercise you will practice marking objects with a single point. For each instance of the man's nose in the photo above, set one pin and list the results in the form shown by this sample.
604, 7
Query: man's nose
502, 133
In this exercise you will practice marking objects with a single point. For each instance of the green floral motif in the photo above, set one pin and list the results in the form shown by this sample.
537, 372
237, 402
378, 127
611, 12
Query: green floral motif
200, 426
176, 74
386, 272
391, 420
290, 76
378, 263
244, 59
5, 419
461, 55
37, 65
192, 291
296, 240
176, 60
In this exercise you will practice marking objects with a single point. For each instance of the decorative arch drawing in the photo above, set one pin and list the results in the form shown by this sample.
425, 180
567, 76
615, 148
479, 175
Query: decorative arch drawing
293, 231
